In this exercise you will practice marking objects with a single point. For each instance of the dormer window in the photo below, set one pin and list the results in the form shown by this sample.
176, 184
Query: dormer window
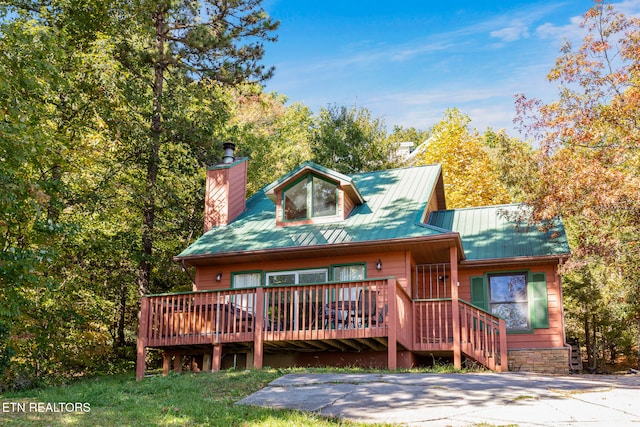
312, 194
311, 197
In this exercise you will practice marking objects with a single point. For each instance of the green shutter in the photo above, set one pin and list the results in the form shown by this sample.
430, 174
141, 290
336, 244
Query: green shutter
540, 311
479, 293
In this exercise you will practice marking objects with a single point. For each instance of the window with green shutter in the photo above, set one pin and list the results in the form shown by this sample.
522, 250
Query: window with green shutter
518, 297
479, 293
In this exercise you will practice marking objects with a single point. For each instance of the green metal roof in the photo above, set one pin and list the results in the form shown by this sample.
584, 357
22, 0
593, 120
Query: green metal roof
395, 201
488, 233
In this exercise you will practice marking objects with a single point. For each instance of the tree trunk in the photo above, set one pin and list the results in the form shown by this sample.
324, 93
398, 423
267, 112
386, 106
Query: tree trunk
587, 340
122, 307
638, 319
153, 159
594, 330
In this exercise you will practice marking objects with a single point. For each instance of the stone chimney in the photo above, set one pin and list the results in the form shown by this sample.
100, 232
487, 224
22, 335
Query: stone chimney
226, 192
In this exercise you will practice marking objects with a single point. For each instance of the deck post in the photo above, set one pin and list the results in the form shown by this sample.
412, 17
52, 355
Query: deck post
166, 359
392, 355
141, 350
216, 358
455, 308
206, 363
504, 353
258, 330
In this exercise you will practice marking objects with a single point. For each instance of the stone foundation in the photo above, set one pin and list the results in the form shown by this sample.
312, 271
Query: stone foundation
541, 360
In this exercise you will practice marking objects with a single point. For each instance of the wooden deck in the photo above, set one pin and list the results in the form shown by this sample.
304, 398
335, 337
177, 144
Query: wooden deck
347, 316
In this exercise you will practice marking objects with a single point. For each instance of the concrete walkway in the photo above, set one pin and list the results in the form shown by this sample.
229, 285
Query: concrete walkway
460, 399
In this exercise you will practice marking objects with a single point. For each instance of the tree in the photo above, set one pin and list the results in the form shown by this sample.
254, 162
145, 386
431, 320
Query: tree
87, 131
56, 83
469, 174
174, 43
350, 141
515, 162
274, 136
589, 158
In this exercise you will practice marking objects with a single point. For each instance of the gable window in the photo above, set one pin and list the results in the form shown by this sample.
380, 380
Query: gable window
311, 197
508, 299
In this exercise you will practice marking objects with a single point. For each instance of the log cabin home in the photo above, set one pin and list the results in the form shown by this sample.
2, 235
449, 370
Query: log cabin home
324, 269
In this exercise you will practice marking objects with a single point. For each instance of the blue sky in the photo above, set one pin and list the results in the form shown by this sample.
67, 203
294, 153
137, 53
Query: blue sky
408, 61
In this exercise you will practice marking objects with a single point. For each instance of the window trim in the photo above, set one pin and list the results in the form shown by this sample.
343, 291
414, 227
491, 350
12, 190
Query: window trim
351, 264
310, 206
353, 295
239, 273
490, 302
297, 271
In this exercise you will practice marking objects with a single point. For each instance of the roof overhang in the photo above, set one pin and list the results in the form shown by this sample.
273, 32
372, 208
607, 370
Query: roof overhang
344, 181
515, 261
426, 249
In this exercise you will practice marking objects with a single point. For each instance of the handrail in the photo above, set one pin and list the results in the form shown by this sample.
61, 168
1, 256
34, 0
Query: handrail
483, 336
265, 286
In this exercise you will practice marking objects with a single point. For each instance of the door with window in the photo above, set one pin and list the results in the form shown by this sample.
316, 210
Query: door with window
293, 309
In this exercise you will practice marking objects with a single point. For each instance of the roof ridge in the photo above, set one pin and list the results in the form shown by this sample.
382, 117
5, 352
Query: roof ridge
504, 205
395, 169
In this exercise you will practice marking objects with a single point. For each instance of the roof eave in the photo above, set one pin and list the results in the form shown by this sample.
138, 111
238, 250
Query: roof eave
515, 261
310, 251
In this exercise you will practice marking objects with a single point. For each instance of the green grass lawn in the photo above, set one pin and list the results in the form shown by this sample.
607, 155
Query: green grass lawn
188, 399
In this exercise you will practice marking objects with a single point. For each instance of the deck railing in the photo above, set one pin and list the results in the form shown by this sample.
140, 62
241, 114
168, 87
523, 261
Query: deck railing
433, 325
483, 336
326, 311
377, 308
200, 317
356, 309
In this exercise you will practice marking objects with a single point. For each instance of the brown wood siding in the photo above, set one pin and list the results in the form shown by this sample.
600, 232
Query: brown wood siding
348, 204
215, 205
225, 196
540, 338
398, 265
237, 190
393, 264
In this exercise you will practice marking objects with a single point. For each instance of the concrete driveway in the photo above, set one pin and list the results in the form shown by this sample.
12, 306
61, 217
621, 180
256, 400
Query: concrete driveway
460, 399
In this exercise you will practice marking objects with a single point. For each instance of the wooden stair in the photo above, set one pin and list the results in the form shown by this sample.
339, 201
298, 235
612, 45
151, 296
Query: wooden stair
575, 358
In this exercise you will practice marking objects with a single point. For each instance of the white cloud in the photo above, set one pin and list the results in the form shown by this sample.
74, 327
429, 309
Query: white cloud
514, 32
570, 31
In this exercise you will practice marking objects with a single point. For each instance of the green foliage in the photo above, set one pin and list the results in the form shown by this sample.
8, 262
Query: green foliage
349, 140
92, 190
274, 136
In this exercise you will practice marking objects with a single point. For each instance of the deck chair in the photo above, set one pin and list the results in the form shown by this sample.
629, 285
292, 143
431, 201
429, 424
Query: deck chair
367, 308
334, 317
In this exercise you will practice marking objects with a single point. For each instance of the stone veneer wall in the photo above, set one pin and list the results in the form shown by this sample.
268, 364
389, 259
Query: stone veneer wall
541, 360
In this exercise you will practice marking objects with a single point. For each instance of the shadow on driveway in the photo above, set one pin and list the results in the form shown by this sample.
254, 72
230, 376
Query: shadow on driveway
460, 399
